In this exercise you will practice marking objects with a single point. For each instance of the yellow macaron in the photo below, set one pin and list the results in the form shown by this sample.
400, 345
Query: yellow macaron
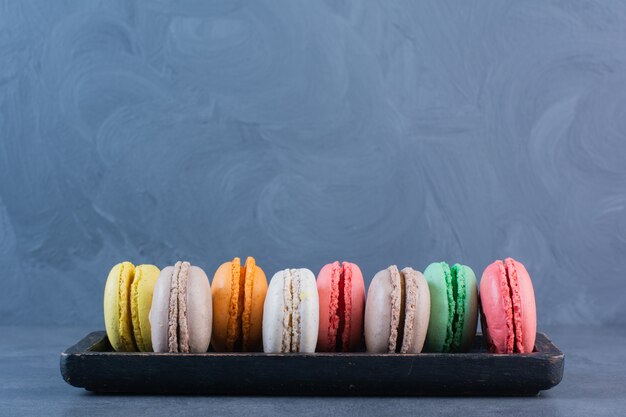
127, 301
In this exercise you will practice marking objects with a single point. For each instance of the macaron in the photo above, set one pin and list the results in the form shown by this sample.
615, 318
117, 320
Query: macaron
181, 313
453, 307
397, 311
238, 295
291, 312
508, 311
341, 293
127, 300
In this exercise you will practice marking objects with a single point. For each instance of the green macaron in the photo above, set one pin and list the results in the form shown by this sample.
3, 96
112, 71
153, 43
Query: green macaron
453, 307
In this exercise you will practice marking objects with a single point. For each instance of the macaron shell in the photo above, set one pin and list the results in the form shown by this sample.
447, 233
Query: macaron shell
117, 311
358, 306
142, 290
159, 311
309, 311
497, 325
528, 307
471, 309
439, 308
378, 313
327, 291
221, 290
422, 313
252, 319
273, 310
199, 310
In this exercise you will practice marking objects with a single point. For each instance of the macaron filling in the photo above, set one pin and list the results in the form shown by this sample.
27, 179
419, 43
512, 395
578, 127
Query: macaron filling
455, 280
340, 315
295, 311
236, 305
396, 307
401, 322
124, 288
134, 294
287, 309
290, 340
409, 277
516, 302
178, 329
172, 318
459, 289
403, 306
340, 306
247, 274
345, 307
505, 293
238, 324
183, 326
336, 293
450, 292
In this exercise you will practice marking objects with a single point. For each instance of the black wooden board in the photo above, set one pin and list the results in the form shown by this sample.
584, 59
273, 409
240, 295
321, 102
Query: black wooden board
91, 364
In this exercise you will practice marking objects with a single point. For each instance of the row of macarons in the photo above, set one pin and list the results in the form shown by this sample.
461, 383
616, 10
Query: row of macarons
178, 309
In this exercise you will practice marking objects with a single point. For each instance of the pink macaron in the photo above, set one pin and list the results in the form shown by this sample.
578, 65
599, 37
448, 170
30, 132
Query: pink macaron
342, 303
508, 312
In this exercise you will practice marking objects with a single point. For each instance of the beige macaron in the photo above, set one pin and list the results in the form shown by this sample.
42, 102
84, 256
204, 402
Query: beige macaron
397, 311
182, 311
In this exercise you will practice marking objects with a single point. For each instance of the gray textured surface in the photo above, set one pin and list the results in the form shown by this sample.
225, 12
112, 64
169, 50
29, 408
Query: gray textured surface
303, 132
593, 385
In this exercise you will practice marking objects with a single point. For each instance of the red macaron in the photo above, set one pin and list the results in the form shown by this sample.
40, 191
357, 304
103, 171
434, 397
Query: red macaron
508, 312
342, 304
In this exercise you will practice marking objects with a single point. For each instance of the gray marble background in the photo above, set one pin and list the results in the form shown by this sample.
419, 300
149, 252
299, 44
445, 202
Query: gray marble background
301, 132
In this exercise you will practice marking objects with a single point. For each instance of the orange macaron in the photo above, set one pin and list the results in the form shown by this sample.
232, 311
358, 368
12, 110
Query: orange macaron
238, 295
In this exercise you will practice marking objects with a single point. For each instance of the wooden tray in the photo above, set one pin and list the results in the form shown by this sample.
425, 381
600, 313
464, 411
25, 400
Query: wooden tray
91, 364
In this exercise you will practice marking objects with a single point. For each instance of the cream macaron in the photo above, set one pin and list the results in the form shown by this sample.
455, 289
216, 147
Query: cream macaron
291, 312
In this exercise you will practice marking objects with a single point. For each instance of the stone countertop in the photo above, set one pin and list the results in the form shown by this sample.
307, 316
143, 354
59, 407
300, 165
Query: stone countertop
594, 384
